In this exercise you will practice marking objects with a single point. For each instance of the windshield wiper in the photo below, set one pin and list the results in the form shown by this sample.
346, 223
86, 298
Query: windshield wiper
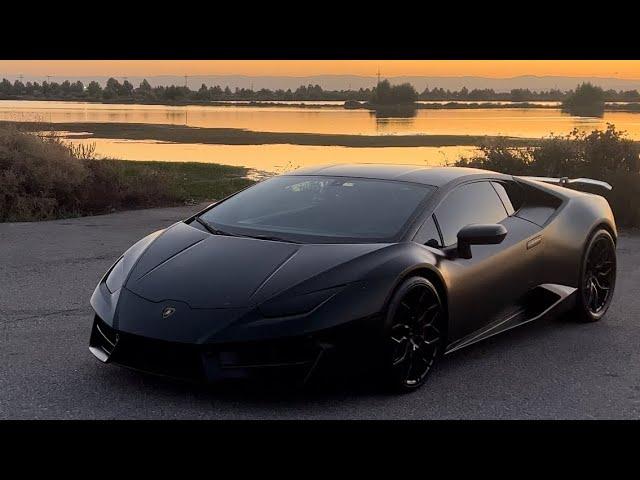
213, 230
217, 231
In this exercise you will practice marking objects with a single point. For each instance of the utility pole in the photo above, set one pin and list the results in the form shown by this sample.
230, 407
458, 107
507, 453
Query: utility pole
378, 74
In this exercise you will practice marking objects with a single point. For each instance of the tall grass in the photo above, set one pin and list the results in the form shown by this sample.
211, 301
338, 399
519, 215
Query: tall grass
43, 177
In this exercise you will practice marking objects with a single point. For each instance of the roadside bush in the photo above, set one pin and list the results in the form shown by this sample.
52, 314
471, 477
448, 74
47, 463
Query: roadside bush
606, 155
42, 177
624, 197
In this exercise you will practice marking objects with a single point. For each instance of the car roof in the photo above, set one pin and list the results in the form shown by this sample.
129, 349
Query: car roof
434, 176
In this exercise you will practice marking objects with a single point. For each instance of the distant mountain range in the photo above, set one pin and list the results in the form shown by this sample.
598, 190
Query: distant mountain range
341, 82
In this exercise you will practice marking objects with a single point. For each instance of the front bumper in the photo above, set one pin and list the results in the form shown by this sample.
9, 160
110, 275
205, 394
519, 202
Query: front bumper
225, 343
289, 359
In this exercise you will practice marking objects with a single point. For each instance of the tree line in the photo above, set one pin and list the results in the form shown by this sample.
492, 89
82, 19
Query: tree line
384, 92
116, 90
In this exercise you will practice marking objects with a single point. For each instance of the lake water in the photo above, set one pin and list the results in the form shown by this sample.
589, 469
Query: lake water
274, 158
530, 123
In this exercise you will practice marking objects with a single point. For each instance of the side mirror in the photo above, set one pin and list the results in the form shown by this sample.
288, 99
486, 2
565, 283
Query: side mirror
479, 234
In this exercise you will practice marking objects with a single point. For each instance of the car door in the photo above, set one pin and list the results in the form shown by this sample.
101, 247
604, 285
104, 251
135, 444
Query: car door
483, 287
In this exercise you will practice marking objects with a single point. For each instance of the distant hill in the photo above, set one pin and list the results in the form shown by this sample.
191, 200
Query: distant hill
340, 82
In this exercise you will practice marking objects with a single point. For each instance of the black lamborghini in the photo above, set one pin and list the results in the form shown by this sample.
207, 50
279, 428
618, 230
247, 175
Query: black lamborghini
390, 265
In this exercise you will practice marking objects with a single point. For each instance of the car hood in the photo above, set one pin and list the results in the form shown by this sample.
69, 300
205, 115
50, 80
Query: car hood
215, 271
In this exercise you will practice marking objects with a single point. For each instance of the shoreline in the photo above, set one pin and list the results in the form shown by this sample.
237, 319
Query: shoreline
237, 136
427, 104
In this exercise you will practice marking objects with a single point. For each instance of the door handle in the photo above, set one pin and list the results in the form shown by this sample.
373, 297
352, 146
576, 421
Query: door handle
534, 242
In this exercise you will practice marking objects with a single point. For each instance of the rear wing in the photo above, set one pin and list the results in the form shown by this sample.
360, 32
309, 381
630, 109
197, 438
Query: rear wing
564, 181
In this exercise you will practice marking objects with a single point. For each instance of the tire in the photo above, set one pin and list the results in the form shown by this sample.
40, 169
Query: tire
413, 336
597, 277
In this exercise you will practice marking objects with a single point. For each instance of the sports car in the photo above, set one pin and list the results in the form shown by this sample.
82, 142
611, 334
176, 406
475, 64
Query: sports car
390, 266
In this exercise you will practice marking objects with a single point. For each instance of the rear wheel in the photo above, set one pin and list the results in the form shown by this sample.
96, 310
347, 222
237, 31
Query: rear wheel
597, 278
413, 334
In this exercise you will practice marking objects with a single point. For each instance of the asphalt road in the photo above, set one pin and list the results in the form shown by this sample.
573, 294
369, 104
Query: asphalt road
551, 369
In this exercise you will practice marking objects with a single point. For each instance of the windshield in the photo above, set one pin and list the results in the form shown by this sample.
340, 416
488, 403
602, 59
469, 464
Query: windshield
320, 209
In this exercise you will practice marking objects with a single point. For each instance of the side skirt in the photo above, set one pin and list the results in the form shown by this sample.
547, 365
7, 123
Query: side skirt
541, 301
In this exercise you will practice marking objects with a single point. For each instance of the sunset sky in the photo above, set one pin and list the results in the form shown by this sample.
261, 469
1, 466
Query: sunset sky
626, 69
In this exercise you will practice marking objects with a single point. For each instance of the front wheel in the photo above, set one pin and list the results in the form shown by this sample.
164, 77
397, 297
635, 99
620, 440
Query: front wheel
413, 334
597, 277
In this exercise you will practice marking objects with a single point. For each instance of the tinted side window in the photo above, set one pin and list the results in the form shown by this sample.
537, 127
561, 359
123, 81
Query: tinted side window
510, 193
502, 193
472, 203
428, 234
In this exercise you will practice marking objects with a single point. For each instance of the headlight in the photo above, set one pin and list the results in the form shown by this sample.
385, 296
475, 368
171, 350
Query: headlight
116, 276
285, 306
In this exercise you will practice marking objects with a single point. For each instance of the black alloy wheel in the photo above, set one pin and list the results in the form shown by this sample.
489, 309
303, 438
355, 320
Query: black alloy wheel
414, 333
598, 277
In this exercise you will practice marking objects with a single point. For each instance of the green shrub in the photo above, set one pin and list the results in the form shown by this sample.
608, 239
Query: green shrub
606, 155
43, 177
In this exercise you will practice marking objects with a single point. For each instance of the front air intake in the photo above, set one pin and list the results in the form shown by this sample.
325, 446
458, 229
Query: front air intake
103, 340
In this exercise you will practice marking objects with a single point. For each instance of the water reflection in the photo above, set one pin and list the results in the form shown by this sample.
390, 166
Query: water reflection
394, 114
517, 122
272, 158
389, 125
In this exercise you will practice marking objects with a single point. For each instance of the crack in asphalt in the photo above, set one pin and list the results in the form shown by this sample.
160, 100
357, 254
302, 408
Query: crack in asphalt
66, 311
